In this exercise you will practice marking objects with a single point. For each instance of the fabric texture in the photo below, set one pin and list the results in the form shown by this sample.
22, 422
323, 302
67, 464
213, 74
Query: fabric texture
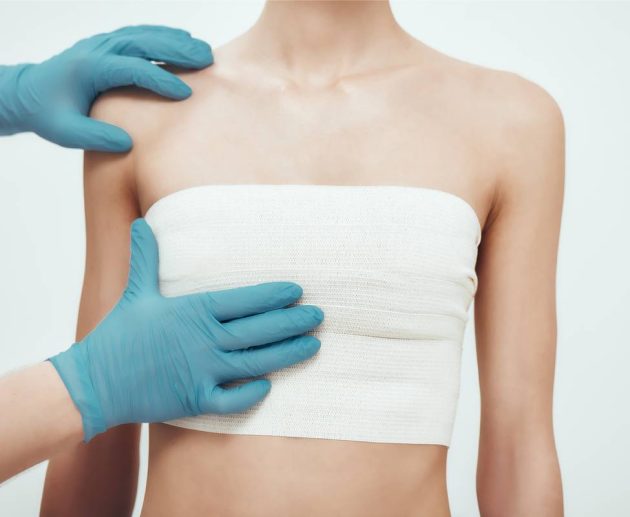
393, 269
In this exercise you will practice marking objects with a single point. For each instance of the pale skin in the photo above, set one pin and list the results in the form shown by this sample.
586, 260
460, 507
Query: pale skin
39, 420
336, 93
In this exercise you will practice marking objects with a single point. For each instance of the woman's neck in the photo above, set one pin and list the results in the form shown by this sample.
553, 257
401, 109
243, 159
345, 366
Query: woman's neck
312, 42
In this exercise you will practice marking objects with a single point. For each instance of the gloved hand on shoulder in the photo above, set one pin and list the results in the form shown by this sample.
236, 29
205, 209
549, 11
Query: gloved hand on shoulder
53, 98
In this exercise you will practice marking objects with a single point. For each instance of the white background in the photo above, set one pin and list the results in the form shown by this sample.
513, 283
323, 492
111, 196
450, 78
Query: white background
579, 52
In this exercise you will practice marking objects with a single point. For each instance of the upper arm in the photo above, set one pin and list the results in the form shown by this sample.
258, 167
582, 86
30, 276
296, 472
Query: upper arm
103, 473
515, 305
110, 208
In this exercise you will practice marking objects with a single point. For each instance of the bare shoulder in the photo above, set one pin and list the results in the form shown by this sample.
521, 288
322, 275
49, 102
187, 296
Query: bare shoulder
152, 122
504, 101
141, 113
529, 134
524, 126
520, 107
516, 121
138, 111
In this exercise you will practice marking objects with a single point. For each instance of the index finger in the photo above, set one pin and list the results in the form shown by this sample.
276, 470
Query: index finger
245, 301
169, 47
145, 27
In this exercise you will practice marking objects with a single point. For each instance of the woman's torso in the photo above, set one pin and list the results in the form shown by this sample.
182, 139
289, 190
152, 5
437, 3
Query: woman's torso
428, 126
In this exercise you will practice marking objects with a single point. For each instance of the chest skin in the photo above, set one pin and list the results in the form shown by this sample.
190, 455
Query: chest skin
388, 129
397, 127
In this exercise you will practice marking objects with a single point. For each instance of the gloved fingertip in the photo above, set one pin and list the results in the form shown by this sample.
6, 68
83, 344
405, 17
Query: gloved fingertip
202, 53
144, 261
177, 89
111, 139
234, 400
253, 392
120, 141
294, 290
185, 91
309, 346
138, 226
314, 311
94, 135
142, 237
264, 385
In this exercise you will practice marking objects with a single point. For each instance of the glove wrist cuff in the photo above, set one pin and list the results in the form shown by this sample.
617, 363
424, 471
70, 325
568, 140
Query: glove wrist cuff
73, 368
13, 115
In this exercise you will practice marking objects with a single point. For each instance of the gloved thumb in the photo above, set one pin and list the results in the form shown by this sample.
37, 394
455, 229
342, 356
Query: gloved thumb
143, 268
70, 129
219, 400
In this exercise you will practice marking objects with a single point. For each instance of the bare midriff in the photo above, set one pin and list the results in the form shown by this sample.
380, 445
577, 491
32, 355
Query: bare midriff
200, 473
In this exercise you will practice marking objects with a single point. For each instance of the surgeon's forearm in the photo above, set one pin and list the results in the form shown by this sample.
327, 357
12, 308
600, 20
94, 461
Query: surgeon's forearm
38, 418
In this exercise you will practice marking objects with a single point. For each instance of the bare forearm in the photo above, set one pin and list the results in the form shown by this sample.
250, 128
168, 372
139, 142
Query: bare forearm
521, 480
97, 478
38, 420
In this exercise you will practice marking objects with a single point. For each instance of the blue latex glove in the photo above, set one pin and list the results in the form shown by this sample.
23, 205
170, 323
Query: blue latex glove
53, 98
154, 359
